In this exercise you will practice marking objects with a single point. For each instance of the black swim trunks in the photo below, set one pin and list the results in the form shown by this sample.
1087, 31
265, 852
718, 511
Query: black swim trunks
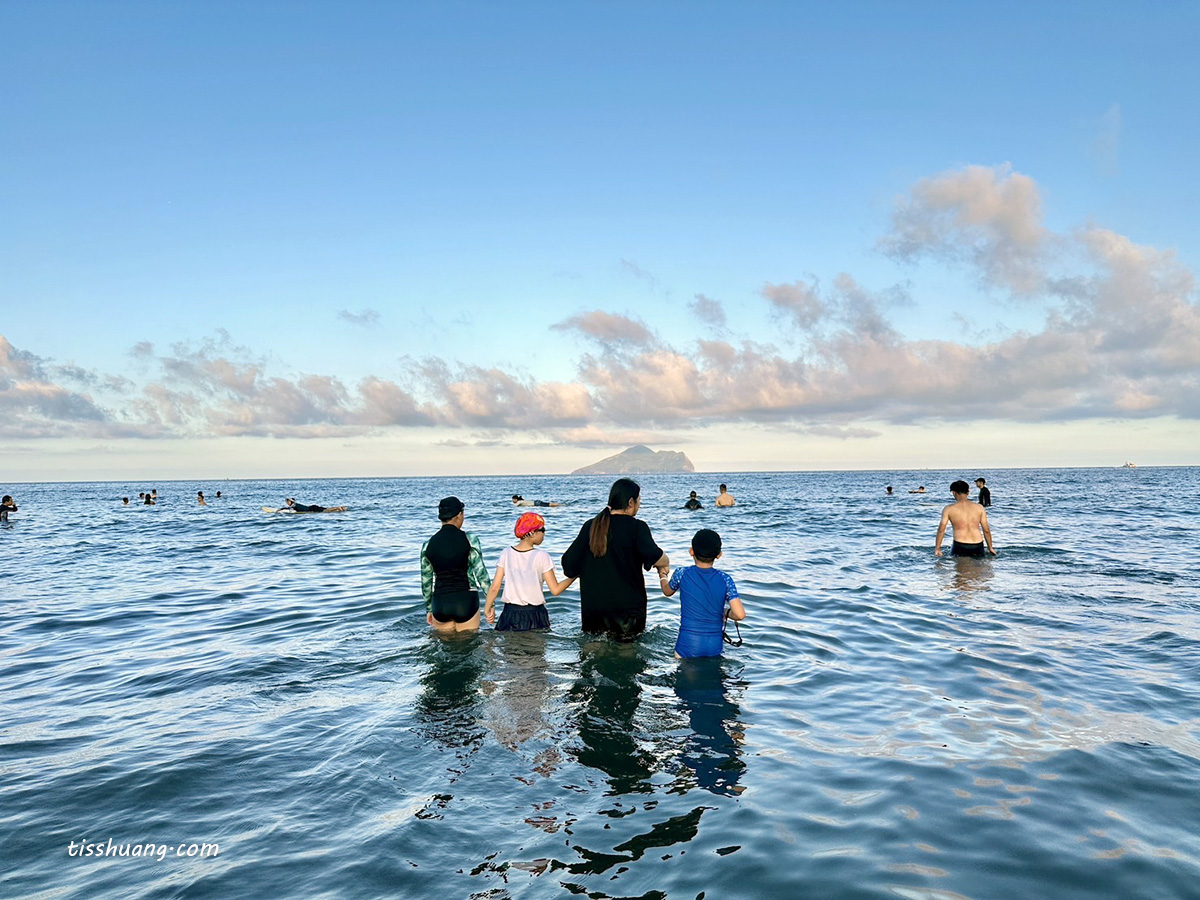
455, 606
961, 549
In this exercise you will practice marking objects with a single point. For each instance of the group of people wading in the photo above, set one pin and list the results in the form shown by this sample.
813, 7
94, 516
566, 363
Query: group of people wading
608, 557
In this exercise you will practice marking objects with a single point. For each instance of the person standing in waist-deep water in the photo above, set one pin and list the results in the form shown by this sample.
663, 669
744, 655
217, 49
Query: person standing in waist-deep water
970, 524
693, 502
522, 571
452, 572
724, 498
985, 496
608, 556
703, 595
7, 505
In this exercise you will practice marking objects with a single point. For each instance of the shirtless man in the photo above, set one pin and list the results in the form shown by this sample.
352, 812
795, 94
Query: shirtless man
724, 498
970, 524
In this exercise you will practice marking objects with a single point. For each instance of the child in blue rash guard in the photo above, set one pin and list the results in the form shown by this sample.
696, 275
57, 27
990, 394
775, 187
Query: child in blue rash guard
703, 593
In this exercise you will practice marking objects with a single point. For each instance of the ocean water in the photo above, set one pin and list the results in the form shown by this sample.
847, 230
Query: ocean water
253, 706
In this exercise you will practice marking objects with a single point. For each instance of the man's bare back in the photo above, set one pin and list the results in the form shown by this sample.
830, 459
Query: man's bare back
969, 521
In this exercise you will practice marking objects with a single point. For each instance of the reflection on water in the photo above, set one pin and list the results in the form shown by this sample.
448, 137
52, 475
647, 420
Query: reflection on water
450, 699
714, 748
605, 699
965, 574
518, 692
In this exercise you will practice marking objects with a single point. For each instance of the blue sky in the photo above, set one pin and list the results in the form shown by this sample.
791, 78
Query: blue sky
431, 238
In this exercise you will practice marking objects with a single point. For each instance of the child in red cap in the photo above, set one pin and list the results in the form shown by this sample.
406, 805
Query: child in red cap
522, 570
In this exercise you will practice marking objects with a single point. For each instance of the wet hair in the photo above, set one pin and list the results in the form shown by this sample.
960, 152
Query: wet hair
960, 487
692, 494
981, 481
620, 494
723, 487
706, 546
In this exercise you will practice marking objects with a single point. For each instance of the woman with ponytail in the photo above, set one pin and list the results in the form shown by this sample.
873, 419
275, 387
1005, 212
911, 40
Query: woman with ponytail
608, 557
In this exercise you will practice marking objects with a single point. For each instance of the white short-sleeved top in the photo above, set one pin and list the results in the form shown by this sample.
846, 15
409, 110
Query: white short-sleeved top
523, 575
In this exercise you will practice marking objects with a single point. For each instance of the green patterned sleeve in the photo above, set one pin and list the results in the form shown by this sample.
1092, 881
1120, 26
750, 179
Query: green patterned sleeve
476, 570
426, 579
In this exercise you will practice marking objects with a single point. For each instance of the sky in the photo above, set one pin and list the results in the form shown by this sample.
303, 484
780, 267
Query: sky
305, 239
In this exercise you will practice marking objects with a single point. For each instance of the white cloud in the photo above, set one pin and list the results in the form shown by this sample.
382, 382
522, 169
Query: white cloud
1120, 338
709, 311
988, 216
611, 330
365, 318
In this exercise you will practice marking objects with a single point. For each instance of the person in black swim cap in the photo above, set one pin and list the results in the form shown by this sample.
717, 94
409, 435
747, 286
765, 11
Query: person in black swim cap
452, 572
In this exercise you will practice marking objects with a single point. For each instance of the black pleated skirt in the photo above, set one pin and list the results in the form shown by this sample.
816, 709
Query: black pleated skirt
519, 617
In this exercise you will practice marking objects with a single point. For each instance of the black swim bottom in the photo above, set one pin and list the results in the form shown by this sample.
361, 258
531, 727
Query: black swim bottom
520, 617
540, 503
459, 606
623, 627
961, 549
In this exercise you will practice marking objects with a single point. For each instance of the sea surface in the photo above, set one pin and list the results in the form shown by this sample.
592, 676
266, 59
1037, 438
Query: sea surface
894, 724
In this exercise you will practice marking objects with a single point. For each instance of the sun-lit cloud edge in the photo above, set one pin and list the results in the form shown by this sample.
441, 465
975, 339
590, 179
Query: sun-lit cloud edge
1120, 339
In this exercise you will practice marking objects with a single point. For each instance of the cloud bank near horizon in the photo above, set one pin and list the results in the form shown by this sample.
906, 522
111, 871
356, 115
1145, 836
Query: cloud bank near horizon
1120, 338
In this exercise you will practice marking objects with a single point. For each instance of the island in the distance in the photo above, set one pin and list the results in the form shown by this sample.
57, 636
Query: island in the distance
640, 460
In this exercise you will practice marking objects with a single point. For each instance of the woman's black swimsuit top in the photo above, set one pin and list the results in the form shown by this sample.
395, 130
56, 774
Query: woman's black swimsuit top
449, 553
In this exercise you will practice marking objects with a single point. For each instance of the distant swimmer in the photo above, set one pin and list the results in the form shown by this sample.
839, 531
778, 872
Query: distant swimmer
693, 502
290, 505
148, 501
7, 505
725, 498
218, 495
969, 522
919, 490
452, 572
985, 496
125, 501
889, 491
200, 498
518, 500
